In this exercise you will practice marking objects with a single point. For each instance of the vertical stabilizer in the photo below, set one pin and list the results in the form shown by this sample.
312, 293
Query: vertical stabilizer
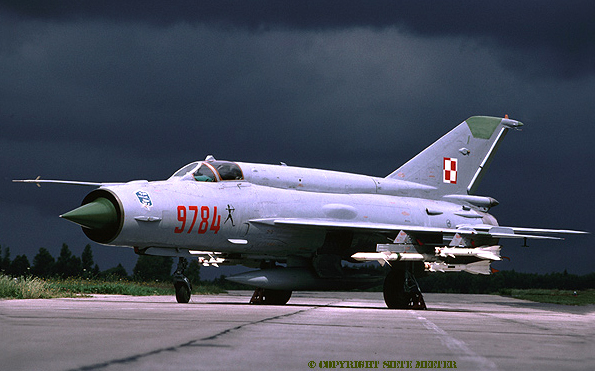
455, 163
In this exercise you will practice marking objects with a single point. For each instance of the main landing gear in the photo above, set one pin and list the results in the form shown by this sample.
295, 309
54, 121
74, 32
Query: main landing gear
401, 290
270, 297
181, 283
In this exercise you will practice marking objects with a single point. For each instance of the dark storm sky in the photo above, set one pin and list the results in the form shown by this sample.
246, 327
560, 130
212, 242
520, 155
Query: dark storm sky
117, 91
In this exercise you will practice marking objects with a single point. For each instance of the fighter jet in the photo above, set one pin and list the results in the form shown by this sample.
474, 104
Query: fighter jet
301, 227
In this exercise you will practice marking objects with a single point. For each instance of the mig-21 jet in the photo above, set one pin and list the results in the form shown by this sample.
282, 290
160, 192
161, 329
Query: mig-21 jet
298, 225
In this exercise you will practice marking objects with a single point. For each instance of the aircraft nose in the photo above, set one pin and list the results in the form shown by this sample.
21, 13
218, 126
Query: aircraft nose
98, 214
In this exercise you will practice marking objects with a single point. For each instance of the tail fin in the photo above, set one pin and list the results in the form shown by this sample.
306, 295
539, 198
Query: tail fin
455, 163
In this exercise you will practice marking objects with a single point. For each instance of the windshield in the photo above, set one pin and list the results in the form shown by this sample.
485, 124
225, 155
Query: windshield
183, 171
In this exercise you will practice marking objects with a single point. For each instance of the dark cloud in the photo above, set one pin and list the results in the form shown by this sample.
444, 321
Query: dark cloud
542, 38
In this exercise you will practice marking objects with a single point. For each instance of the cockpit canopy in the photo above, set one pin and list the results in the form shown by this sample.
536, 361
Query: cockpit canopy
211, 170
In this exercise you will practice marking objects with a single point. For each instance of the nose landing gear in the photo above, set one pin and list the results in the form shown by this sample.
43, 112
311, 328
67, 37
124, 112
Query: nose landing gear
181, 283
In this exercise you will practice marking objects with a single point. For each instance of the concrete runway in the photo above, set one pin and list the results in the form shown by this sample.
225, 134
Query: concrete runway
223, 332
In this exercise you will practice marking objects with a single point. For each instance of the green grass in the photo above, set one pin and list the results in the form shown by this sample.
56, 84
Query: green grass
37, 288
78, 286
25, 288
565, 297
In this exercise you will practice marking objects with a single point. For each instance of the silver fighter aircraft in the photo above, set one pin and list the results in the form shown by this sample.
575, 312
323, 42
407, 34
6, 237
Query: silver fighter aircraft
297, 225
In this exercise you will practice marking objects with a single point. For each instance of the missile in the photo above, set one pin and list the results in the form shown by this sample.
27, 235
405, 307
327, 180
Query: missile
207, 258
480, 267
387, 256
487, 253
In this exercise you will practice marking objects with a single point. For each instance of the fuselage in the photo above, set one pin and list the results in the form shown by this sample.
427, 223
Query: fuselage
216, 214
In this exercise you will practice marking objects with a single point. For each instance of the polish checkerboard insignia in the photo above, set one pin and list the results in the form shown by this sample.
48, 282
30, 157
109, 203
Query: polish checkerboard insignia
449, 170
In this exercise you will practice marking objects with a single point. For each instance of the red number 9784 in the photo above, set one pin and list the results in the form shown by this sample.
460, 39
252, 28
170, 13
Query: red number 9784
193, 219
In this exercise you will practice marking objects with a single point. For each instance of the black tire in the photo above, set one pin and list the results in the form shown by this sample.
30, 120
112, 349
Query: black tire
395, 296
183, 291
276, 297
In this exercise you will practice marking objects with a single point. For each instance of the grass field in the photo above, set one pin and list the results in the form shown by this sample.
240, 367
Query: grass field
37, 288
25, 288
565, 297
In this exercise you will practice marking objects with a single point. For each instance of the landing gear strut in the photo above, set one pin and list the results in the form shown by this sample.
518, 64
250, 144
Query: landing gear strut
401, 290
181, 283
270, 297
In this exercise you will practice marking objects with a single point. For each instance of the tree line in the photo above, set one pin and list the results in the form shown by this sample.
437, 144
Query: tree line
159, 268
500, 281
67, 265
465, 283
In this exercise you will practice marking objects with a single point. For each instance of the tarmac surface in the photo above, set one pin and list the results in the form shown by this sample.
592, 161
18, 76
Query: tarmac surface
315, 330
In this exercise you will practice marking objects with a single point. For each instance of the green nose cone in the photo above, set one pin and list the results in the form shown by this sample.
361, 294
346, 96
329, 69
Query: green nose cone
98, 214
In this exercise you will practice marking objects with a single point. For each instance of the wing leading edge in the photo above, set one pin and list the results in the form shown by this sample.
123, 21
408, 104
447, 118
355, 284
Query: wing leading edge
483, 230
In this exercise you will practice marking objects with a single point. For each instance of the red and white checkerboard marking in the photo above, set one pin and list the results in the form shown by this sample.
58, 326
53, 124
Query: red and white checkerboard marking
449, 170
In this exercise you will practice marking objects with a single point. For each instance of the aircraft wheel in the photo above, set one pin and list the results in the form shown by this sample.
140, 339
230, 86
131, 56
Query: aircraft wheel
395, 296
183, 291
276, 297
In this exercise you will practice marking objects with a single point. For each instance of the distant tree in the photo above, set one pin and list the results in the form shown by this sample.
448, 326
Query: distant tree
193, 272
67, 265
116, 272
153, 268
19, 266
95, 271
87, 262
43, 264
5, 260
